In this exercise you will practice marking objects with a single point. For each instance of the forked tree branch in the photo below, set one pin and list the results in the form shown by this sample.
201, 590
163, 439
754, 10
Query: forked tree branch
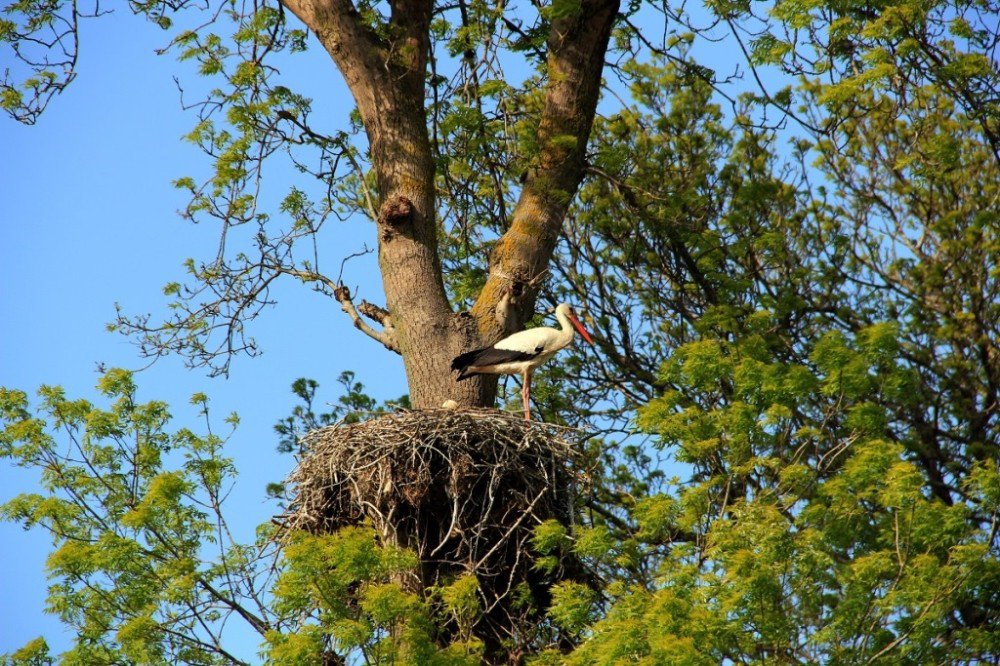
386, 336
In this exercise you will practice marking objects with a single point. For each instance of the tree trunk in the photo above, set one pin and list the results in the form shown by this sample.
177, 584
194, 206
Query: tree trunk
386, 77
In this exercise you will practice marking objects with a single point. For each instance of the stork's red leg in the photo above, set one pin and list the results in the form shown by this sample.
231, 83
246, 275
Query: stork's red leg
526, 395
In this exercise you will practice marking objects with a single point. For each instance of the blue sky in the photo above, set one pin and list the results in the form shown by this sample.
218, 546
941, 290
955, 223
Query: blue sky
87, 219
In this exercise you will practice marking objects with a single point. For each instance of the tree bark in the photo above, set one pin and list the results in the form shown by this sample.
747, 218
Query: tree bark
386, 77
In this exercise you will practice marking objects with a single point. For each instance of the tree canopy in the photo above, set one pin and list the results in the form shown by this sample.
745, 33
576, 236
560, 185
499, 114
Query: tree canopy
790, 418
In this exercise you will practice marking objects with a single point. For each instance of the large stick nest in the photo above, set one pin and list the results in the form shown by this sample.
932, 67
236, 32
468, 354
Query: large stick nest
463, 488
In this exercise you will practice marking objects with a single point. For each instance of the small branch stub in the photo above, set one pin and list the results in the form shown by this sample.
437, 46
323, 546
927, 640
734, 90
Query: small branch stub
387, 336
373, 312
342, 293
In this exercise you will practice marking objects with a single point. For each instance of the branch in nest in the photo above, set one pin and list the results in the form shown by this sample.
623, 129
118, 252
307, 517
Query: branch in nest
387, 336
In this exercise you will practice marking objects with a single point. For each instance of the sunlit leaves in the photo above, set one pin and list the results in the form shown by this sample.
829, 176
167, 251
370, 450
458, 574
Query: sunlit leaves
34, 653
572, 606
769, 50
819, 533
461, 598
40, 38
550, 540
347, 588
129, 568
304, 646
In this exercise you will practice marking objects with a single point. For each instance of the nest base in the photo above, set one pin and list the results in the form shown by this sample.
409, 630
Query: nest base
463, 489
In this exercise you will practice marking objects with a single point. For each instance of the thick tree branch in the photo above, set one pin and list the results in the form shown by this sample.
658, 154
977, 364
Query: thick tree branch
339, 28
577, 46
386, 75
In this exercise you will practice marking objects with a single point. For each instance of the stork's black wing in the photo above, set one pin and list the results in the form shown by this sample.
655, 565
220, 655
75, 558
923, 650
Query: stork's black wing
488, 356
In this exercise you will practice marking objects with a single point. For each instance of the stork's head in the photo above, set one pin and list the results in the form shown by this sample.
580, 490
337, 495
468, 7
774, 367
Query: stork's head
564, 310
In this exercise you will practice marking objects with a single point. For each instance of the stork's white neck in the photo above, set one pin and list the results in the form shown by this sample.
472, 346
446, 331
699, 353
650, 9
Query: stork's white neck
566, 328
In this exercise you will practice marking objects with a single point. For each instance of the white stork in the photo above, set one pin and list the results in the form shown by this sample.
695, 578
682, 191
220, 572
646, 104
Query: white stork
522, 352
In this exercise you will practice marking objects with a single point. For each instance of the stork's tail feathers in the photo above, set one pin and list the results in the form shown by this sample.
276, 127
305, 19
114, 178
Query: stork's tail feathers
462, 363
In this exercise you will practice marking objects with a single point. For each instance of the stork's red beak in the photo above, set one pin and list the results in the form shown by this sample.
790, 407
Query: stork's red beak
578, 326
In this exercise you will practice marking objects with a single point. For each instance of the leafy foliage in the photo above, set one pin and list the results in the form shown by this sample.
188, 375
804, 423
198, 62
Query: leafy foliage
355, 596
352, 405
783, 323
807, 534
145, 567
